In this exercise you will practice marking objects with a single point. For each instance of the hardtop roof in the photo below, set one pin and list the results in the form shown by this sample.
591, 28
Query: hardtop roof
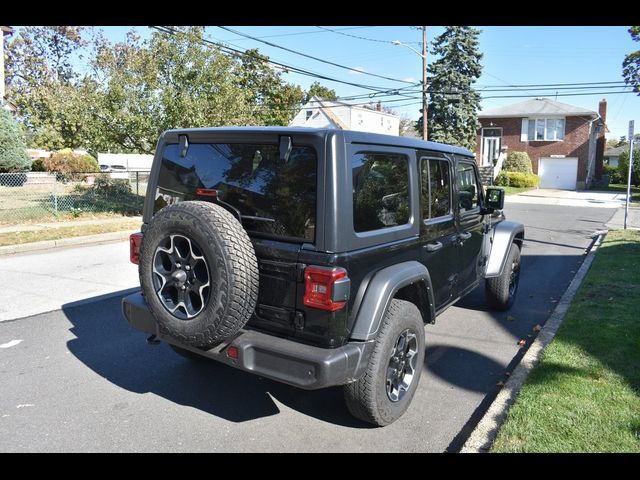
350, 136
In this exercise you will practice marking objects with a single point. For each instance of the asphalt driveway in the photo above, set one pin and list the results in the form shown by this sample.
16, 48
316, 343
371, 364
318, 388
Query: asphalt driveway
79, 379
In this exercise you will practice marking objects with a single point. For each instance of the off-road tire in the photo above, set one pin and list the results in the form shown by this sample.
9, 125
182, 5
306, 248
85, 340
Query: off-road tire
499, 291
231, 266
367, 398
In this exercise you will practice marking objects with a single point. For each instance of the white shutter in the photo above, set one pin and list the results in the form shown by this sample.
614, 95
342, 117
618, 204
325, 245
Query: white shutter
524, 133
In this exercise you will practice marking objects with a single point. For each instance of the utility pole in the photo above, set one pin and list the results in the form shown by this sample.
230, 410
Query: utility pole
423, 55
424, 83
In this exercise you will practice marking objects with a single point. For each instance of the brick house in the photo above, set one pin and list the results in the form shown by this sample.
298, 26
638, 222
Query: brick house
565, 142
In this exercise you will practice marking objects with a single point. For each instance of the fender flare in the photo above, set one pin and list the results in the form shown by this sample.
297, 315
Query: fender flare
381, 289
504, 235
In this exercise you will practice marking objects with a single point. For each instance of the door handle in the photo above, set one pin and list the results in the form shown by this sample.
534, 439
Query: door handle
464, 236
432, 247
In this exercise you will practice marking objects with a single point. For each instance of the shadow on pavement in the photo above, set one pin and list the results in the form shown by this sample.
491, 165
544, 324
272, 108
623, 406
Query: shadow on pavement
105, 343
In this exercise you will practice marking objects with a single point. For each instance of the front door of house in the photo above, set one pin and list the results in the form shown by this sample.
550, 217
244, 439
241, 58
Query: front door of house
491, 143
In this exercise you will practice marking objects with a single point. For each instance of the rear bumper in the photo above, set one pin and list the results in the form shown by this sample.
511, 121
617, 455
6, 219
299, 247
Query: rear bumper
279, 359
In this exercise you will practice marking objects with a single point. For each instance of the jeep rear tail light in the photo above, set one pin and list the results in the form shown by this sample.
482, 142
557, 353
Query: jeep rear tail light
326, 288
135, 239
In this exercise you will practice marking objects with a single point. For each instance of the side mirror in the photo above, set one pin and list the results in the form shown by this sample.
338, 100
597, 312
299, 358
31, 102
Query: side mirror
495, 199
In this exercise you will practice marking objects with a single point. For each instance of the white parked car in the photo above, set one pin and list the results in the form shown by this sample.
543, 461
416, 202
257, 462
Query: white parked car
119, 172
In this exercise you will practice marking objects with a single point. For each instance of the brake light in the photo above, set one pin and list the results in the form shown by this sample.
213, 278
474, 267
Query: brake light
135, 239
326, 288
206, 192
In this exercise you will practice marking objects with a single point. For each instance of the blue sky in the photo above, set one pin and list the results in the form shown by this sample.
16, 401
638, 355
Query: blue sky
512, 56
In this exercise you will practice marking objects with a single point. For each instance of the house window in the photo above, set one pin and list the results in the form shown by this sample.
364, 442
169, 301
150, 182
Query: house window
546, 129
309, 114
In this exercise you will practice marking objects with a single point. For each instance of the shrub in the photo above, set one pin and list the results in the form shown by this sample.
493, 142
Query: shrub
518, 162
614, 174
38, 166
517, 179
69, 165
623, 167
13, 149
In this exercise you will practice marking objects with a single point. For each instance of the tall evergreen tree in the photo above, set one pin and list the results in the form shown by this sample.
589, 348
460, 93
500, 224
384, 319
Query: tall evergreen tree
13, 150
453, 103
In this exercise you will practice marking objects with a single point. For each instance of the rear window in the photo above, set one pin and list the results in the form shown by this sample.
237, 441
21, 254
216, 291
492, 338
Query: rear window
272, 197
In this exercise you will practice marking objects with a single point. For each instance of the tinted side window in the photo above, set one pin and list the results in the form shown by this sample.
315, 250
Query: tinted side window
467, 187
380, 190
436, 188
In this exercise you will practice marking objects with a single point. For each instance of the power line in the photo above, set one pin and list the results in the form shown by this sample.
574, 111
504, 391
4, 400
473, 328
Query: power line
359, 37
563, 94
548, 84
299, 33
328, 62
287, 68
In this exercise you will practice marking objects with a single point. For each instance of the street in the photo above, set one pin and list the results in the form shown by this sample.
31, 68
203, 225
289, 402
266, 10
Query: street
77, 378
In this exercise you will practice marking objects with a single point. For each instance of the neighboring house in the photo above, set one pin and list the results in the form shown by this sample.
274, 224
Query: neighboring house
611, 155
38, 154
565, 142
319, 113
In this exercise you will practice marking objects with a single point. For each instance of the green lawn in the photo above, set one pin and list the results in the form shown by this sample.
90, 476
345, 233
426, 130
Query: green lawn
65, 231
584, 396
514, 190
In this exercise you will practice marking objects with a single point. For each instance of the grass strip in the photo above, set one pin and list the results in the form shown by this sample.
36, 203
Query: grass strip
584, 395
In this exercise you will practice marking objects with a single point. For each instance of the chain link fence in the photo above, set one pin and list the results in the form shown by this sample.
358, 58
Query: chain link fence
42, 196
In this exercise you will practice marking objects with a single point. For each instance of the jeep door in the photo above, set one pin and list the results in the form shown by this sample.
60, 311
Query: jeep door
438, 234
470, 223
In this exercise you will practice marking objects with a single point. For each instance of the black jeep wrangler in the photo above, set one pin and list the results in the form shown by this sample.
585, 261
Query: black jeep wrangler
316, 257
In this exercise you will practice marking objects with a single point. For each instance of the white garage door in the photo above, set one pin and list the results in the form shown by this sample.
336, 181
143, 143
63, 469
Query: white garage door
560, 173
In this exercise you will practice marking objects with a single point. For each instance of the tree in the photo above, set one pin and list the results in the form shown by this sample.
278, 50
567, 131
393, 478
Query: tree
318, 90
631, 63
623, 166
407, 126
272, 101
453, 103
168, 81
44, 85
13, 149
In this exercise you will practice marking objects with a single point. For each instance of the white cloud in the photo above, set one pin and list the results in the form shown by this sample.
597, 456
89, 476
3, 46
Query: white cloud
357, 71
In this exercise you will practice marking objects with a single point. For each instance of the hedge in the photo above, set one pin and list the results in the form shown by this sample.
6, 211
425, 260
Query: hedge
517, 179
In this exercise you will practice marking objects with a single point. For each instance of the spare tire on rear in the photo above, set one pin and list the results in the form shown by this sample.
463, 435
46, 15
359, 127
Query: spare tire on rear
198, 272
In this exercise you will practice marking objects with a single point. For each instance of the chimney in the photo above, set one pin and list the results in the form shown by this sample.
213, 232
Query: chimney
602, 111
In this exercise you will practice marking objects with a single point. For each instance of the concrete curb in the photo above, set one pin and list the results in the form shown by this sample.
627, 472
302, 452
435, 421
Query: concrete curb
66, 242
484, 434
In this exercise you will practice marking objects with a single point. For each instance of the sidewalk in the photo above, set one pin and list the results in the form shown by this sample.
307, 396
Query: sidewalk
617, 221
570, 198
